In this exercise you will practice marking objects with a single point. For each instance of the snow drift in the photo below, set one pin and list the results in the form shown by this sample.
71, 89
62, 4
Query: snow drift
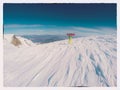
89, 61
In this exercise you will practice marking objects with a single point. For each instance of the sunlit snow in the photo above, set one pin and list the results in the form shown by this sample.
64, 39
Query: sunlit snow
88, 61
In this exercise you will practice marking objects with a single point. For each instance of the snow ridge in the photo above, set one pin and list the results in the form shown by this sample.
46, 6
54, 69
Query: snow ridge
11, 38
89, 61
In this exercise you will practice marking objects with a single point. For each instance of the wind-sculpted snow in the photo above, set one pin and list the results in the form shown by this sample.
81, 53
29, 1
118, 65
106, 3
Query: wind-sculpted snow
89, 61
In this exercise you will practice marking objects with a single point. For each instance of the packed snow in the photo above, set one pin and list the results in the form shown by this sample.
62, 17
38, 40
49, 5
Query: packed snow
87, 62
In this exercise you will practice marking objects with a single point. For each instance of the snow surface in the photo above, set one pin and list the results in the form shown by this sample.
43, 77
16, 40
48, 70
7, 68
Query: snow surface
25, 42
89, 61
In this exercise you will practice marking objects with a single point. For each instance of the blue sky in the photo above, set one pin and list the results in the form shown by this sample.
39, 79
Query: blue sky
82, 19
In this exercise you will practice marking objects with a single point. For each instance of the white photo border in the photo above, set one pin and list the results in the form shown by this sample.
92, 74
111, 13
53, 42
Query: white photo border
59, 1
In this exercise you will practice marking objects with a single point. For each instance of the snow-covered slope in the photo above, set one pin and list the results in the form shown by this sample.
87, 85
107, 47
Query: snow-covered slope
89, 61
8, 38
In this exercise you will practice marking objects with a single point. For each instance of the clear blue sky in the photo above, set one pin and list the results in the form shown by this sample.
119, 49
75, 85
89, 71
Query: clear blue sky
59, 18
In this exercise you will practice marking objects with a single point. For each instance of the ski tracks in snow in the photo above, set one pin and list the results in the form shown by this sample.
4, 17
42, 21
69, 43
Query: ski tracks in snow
89, 61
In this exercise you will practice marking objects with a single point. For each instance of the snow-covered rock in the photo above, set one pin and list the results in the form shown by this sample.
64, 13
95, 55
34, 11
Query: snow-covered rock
89, 61
17, 40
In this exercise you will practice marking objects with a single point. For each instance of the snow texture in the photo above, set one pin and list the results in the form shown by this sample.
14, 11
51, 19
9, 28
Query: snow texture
87, 62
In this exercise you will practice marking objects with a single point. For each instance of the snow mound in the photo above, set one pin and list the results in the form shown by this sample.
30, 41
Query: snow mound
89, 61
17, 40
